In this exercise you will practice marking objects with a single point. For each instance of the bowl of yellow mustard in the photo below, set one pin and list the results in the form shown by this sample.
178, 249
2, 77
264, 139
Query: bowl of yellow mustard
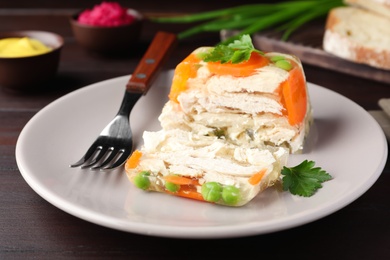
29, 60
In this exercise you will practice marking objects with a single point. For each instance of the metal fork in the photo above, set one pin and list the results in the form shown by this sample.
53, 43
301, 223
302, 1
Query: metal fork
115, 143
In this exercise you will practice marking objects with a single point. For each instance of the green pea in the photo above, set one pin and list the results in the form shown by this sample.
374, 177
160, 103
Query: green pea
171, 186
231, 195
141, 180
211, 191
284, 64
276, 58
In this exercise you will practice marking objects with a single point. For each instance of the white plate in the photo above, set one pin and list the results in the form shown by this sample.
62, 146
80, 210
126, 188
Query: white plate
345, 140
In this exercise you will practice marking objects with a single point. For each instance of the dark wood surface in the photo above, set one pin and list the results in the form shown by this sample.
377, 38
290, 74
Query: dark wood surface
32, 228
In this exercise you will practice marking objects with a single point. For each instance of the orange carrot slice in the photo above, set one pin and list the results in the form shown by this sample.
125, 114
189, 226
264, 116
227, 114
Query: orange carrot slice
134, 159
294, 96
185, 70
242, 69
187, 191
256, 178
189, 66
180, 180
190, 194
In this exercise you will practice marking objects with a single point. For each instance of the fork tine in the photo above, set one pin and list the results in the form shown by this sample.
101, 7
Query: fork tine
120, 160
113, 153
78, 163
101, 151
88, 155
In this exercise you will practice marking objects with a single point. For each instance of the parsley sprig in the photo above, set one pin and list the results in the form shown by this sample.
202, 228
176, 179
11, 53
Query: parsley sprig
236, 52
304, 179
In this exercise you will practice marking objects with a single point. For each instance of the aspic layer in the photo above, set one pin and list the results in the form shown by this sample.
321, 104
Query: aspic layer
227, 129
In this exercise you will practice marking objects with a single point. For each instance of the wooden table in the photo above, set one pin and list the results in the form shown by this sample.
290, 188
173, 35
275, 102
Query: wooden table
32, 228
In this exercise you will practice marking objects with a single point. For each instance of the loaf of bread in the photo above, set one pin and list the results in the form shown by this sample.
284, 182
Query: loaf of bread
359, 35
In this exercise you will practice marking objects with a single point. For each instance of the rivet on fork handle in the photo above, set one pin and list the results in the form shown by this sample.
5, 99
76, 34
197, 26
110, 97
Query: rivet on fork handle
150, 64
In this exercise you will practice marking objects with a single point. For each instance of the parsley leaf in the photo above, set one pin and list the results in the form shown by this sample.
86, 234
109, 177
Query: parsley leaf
304, 179
238, 51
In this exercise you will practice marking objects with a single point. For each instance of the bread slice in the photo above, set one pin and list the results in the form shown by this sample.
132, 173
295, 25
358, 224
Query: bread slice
227, 129
381, 7
358, 35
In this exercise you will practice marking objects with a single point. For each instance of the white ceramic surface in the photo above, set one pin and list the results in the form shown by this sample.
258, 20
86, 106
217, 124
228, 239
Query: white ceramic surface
345, 140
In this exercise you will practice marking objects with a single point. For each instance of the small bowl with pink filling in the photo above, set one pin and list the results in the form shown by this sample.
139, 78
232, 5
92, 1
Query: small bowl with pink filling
107, 28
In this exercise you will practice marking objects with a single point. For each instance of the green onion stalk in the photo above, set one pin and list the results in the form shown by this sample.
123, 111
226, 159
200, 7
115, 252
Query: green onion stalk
285, 16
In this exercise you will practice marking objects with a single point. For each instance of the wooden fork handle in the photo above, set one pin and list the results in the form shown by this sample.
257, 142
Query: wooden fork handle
152, 62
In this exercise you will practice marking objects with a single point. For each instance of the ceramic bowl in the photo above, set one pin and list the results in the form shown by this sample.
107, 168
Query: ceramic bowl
108, 39
29, 73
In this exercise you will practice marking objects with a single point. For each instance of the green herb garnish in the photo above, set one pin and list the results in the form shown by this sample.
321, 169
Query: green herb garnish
238, 51
304, 179
219, 132
285, 16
